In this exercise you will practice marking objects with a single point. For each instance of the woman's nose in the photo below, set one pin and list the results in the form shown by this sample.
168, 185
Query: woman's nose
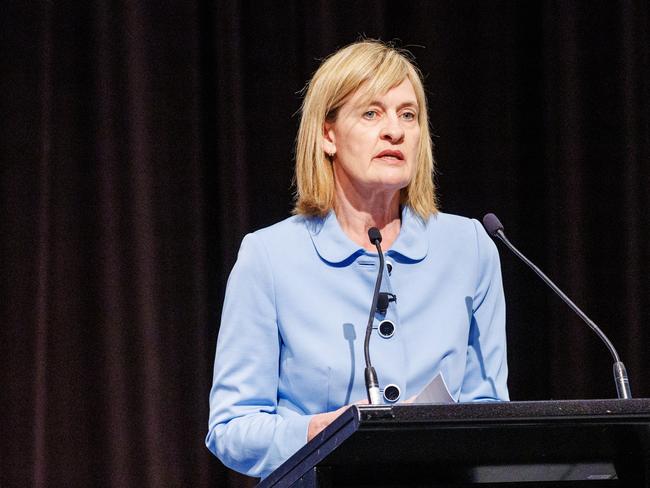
392, 129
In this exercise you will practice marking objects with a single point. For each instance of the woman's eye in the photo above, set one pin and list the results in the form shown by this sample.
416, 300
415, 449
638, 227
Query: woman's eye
408, 116
370, 114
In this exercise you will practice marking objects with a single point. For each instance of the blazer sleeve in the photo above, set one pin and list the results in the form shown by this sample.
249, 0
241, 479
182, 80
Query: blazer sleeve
486, 370
245, 430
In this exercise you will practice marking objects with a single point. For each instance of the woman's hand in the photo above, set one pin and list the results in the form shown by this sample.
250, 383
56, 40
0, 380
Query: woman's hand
319, 421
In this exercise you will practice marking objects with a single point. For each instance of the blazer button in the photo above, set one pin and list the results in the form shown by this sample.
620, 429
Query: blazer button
392, 393
386, 329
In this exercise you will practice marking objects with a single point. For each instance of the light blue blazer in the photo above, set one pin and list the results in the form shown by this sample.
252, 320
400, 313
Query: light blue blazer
297, 303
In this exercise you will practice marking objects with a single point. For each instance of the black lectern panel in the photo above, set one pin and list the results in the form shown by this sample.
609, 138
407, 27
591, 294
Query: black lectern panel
560, 443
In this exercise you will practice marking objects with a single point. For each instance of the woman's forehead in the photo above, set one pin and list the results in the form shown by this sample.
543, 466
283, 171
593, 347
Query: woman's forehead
368, 93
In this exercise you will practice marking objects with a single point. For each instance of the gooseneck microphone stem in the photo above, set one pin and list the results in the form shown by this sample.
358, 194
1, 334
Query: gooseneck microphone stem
372, 384
495, 228
501, 235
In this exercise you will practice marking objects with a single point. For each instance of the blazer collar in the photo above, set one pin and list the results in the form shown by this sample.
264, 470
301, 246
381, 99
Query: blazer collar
336, 248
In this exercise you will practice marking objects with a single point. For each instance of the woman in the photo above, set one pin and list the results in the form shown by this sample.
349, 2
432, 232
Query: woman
290, 348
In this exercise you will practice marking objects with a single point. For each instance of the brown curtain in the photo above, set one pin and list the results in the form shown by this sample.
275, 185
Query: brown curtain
141, 140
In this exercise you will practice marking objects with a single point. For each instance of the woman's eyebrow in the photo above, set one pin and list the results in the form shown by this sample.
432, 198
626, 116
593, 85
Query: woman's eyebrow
408, 103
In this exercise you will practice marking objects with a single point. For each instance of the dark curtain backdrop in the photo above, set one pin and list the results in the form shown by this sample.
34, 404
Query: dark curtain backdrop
141, 139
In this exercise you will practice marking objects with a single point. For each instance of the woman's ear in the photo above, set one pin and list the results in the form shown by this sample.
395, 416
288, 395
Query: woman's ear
329, 139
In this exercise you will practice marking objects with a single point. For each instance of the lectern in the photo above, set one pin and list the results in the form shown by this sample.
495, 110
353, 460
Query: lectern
570, 443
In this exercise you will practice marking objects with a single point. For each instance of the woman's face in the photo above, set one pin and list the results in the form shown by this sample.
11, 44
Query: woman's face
376, 143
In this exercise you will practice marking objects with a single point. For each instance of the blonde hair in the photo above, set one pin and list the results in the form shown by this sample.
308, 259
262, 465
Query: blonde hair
380, 67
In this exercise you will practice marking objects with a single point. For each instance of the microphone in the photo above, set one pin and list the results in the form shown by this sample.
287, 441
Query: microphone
372, 384
495, 228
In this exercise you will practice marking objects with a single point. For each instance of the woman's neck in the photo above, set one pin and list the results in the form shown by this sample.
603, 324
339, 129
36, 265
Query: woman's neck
356, 217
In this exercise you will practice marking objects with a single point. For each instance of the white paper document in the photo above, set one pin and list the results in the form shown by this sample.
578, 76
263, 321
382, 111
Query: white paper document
435, 392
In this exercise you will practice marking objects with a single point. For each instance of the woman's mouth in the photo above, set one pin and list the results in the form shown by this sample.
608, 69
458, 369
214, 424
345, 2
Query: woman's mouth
390, 155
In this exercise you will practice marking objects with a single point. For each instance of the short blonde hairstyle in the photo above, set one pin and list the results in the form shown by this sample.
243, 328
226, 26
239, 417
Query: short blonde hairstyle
379, 67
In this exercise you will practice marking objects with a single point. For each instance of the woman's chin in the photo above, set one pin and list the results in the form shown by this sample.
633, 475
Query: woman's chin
390, 184
393, 179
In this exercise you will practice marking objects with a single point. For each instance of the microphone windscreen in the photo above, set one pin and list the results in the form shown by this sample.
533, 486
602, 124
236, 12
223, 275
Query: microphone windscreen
374, 235
492, 224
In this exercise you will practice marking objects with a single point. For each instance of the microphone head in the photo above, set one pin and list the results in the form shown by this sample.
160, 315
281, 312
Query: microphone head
374, 235
492, 224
